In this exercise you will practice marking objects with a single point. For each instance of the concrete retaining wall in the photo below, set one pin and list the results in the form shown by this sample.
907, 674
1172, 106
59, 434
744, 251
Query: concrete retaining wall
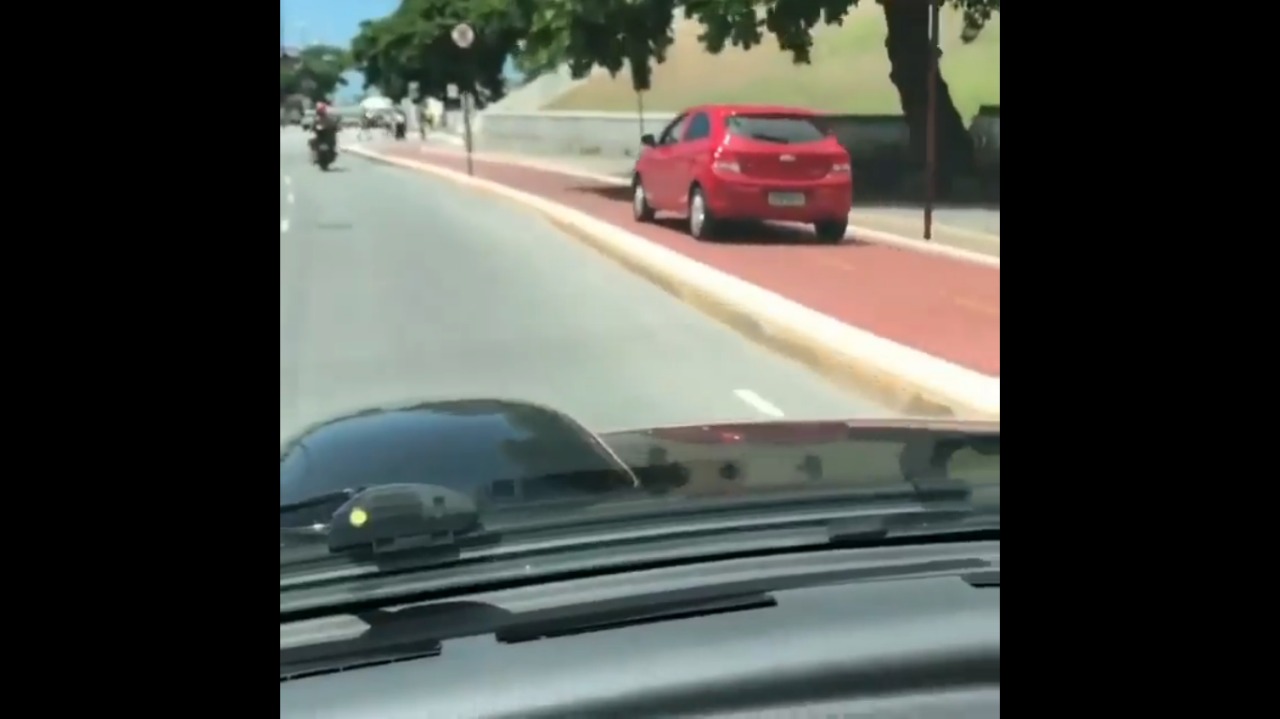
878, 144
609, 134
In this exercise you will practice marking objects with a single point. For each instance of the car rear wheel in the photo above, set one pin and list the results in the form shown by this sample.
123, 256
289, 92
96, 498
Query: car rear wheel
640, 208
702, 225
831, 231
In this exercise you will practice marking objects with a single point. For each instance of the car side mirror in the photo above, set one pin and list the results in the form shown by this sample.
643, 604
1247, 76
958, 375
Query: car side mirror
648, 140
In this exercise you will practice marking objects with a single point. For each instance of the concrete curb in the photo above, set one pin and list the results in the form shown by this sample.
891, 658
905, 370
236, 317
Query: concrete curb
855, 232
903, 378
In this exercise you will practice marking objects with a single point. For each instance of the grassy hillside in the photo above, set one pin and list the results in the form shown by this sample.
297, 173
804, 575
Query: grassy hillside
849, 73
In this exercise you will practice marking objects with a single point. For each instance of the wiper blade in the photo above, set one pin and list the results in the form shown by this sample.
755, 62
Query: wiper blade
663, 532
320, 500
985, 579
914, 527
427, 524
385, 519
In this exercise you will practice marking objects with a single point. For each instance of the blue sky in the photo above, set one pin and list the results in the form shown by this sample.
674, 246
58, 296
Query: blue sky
331, 22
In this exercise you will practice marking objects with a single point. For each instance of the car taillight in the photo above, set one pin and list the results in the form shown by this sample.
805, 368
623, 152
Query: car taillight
727, 165
840, 168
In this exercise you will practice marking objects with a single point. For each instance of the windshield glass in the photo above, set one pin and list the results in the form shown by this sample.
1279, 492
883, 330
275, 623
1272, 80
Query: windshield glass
774, 128
510, 272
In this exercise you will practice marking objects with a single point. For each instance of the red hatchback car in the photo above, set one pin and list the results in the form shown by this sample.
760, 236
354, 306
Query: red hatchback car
745, 162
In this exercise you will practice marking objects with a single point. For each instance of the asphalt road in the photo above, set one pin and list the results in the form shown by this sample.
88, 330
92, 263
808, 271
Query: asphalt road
396, 286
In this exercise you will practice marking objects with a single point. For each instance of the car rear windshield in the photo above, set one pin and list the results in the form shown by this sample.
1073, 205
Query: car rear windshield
784, 129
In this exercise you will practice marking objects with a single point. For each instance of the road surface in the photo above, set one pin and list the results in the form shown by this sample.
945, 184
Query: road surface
943, 307
396, 286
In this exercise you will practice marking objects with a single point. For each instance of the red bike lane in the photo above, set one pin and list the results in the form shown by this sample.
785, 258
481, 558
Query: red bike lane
945, 307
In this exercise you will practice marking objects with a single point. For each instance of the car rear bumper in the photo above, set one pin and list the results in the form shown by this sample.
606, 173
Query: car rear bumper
749, 200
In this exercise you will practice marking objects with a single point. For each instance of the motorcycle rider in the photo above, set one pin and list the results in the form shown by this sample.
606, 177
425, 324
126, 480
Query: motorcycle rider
325, 128
399, 124
367, 126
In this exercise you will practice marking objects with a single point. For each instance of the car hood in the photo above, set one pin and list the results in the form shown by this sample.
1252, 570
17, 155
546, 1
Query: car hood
505, 452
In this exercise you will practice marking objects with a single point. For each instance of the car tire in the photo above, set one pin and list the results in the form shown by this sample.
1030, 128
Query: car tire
702, 224
831, 232
641, 210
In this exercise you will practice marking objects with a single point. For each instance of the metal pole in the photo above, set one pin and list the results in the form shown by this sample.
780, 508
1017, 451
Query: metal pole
640, 109
466, 125
463, 36
931, 123
467, 94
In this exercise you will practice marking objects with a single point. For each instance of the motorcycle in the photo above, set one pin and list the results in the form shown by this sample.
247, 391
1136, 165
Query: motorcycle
324, 149
324, 154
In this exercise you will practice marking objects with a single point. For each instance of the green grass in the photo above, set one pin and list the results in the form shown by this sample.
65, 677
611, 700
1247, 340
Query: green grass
849, 72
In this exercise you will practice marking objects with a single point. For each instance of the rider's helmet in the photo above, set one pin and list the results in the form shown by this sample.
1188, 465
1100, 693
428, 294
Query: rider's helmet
321, 109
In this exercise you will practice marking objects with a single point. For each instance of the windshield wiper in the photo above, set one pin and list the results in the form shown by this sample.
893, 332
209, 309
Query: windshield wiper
914, 528
406, 519
409, 528
378, 523
532, 554
320, 500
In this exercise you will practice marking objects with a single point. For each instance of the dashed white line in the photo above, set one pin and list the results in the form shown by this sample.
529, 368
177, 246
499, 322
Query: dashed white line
289, 198
284, 226
288, 180
758, 403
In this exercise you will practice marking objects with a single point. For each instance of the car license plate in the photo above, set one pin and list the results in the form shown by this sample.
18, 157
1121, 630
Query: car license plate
786, 199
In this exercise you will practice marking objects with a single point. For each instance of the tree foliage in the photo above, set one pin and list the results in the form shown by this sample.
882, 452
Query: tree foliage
609, 33
315, 73
413, 44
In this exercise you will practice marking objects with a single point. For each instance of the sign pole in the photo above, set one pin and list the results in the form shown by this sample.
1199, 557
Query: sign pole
463, 36
931, 123
640, 109
466, 128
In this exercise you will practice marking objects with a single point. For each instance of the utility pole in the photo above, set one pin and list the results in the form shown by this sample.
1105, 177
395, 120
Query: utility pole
931, 122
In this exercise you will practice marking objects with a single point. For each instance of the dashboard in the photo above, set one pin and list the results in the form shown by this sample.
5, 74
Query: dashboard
890, 631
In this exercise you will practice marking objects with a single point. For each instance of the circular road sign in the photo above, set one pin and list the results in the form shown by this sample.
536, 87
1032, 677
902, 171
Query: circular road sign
463, 35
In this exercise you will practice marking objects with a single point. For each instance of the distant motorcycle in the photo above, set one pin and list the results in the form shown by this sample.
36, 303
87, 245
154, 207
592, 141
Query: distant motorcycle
324, 154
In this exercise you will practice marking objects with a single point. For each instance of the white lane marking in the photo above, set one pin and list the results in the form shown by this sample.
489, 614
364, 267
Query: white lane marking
284, 225
288, 180
289, 197
760, 404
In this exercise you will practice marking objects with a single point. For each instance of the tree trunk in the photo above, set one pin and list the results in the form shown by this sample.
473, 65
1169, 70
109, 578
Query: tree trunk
909, 51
